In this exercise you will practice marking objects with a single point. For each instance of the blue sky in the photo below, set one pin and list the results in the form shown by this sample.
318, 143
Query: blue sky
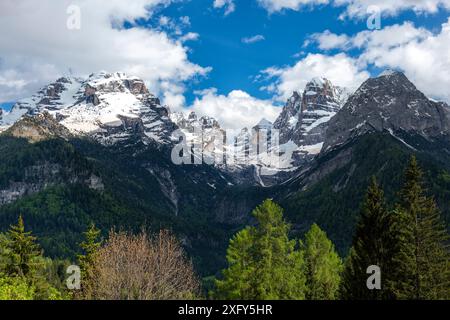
235, 64
216, 68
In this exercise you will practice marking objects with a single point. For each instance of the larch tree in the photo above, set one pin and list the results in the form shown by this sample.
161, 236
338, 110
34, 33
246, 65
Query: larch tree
323, 265
263, 262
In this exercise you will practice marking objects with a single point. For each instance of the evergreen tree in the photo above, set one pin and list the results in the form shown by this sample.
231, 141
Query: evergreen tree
263, 262
21, 251
86, 261
371, 246
323, 265
24, 266
423, 258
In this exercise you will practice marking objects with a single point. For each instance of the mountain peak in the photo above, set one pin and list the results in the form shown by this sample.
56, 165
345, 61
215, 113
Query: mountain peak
389, 72
102, 105
264, 124
392, 103
38, 128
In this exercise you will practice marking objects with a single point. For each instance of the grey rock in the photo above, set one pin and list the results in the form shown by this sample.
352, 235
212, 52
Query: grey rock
388, 102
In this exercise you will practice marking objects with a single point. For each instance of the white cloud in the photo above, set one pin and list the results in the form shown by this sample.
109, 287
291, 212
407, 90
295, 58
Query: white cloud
229, 5
278, 5
422, 55
327, 40
253, 39
358, 8
39, 47
340, 69
190, 36
236, 110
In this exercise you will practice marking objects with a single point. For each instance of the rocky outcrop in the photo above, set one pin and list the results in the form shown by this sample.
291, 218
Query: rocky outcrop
288, 119
42, 175
304, 120
391, 103
38, 128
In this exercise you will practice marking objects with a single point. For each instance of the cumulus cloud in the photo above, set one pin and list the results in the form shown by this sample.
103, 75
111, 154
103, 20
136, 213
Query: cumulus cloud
327, 40
423, 56
38, 46
279, 5
340, 69
236, 110
253, 39
358, 8
228, 5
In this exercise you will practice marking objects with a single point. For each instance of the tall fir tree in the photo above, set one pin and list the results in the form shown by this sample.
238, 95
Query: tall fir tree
86, 260
323, 265
21, 252
372, 246
423, 260
263, 263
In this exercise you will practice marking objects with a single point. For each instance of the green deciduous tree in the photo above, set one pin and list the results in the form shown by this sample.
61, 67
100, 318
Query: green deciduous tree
15, 288
323, 265
263, 261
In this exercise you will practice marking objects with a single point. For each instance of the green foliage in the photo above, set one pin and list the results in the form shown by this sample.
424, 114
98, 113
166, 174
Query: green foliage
423, 254
323, 265
21, 251
15, 288
407, 243
23, 267
86, 261
89, 246
263, 262
372, 245
334, 201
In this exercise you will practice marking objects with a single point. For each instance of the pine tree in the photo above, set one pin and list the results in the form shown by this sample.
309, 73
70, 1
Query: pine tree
263, 262
371, 246
423, 258
86, 261
323, 265
21, 251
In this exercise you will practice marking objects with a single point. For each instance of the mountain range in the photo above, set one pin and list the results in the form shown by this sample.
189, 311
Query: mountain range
100, 149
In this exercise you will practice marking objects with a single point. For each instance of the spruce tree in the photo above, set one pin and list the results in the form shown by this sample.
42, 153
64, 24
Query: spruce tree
323, 265
24, 264
263, 263
371, 246
86, 261
22, 252
423, 258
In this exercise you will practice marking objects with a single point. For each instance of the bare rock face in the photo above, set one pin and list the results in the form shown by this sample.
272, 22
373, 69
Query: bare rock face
304, 120
320, 103
290, 116
38, 128
391, 103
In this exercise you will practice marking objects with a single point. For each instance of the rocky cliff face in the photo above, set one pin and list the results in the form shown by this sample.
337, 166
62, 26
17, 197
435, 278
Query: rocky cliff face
38, 128
390, 103
290, 116
304, 119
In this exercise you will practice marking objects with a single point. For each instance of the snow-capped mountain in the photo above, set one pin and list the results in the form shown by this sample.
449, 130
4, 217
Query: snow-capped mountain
108, 106
389, 102
204, 135
304, 119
